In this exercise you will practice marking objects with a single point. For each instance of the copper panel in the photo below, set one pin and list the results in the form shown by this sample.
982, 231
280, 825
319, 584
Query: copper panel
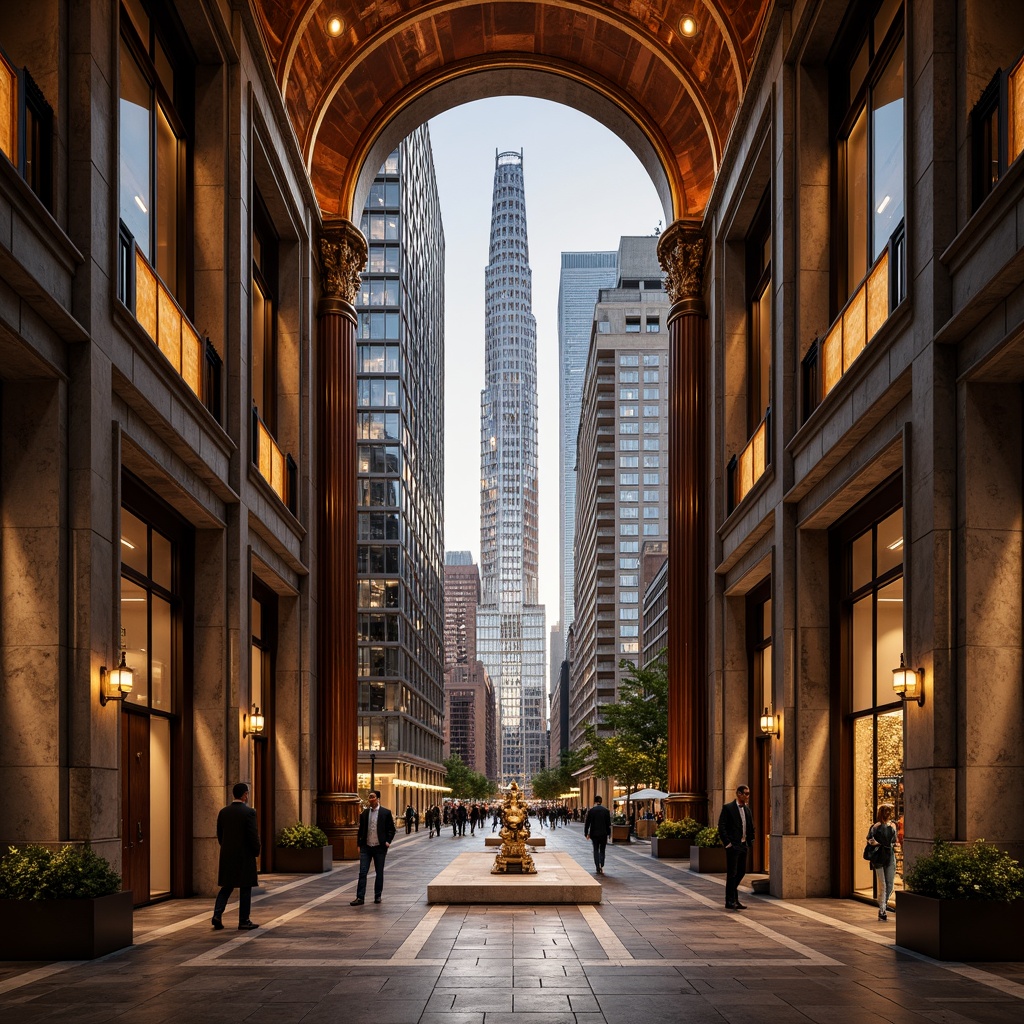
832, 356
1015, 120
878, 295
169, 328
145, 295
8, 111
340, 91
191, 357
854, 326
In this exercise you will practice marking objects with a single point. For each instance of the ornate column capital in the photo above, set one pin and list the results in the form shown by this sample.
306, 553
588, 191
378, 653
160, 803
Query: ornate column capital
342, 258
681, 255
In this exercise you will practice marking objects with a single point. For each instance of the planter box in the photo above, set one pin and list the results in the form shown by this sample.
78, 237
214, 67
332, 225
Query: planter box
65, 929
620, 833
645, 828
290, 861
707, 859
960, 929
677, 848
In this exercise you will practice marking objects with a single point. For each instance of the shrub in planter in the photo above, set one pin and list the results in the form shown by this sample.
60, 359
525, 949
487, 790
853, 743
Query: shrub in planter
674, 838
707, 853
61, 905
303, 850
963, 903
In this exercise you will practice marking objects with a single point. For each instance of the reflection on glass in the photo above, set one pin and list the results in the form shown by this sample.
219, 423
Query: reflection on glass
160, 660
159, 806
887, 164
161, 560
167, 203
890, 542
862, 647
134, 550
862, 566
134, 622
135, 184
863, 801
889, 643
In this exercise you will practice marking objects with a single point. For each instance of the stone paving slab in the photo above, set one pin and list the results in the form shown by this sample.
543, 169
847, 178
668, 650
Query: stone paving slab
659, 948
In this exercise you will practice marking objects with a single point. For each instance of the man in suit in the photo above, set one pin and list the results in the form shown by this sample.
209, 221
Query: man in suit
376, 834
239, 841
597, 827
736, 829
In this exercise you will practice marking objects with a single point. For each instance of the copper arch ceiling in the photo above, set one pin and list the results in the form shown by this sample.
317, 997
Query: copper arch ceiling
341, 92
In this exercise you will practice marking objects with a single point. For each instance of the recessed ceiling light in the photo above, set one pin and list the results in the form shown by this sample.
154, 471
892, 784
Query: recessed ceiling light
335, 25
688, 25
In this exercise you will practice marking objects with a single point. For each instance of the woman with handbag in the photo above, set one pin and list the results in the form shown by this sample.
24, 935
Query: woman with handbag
882, 841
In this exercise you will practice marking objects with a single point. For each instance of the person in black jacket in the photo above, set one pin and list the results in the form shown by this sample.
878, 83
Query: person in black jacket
239, 841
597, 827
736, 830
376, 834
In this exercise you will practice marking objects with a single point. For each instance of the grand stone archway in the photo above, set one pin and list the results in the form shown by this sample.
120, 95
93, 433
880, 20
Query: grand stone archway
355, 79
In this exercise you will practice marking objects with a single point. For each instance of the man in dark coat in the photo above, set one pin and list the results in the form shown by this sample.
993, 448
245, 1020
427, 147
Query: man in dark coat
597, 827
736, 830
239, 846
376, 834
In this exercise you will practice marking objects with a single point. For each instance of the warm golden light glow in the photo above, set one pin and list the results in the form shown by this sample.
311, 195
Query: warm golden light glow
335, 25
688, 25
117, 683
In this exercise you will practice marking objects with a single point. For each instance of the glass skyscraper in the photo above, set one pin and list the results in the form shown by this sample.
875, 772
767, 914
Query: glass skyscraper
583, 274
400, 464
511, 629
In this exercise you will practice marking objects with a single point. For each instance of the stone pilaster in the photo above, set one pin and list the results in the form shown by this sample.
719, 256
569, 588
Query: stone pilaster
342, 257
681, 251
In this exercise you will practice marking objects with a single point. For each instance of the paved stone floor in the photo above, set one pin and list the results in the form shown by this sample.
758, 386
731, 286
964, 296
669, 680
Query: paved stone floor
660, 948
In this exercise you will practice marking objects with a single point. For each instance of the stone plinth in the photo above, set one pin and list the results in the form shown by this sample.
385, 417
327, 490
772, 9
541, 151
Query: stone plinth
468, 879
532, 841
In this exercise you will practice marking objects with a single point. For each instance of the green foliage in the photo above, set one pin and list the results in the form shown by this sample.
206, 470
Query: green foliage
975, 872
547, 784
302, 837
69, 873
684, 828
707, 837
636, 753
618, 819
466, 784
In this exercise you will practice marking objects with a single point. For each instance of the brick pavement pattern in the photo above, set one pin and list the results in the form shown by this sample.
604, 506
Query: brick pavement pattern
659, 949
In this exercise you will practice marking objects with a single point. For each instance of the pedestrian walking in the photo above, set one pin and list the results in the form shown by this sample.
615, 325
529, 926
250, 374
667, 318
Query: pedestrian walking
597, 827
882, 841
239, 840
736, 830
376, 833
409, 814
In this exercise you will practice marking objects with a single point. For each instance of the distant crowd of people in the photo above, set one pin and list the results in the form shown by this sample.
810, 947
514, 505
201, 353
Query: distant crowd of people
457, 814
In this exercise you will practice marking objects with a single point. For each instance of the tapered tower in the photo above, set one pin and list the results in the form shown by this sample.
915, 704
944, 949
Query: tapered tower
511, 629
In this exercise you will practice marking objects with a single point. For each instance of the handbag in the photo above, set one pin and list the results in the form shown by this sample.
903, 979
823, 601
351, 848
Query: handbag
869, 851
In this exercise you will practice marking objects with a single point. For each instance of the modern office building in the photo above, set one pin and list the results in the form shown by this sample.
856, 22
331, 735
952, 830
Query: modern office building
622, 479
470, 723
461, 597
400, 460
511, 629
654, 613
582, 275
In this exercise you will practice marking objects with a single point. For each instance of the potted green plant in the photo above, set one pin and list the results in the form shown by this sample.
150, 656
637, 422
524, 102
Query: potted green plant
707, 854
620, 829
303, 850
63, 904
673, 838
963, 902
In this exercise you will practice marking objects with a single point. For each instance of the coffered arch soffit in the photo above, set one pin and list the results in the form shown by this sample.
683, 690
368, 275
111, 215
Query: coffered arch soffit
352, 97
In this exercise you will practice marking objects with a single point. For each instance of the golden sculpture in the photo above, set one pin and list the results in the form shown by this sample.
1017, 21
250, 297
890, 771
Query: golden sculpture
513, 857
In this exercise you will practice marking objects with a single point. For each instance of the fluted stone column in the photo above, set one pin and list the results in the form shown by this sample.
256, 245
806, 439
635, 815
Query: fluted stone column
342, 257
681, 253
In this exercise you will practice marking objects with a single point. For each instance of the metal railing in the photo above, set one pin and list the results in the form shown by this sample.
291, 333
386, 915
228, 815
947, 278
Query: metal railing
148, 299
278, 468
884, 287
746, 468
997, 129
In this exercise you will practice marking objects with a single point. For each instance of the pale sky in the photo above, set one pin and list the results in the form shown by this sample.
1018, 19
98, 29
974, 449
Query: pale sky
584, 189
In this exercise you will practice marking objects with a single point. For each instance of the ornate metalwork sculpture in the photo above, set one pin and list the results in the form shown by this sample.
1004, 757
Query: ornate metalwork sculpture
513, 857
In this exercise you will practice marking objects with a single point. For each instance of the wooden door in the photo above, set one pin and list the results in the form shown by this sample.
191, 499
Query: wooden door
135, 805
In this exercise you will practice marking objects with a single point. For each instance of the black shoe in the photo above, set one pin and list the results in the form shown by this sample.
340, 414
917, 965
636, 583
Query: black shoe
730, 906
376, 899
883, 916
218, 924
739, 906
247, 926
357, 902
